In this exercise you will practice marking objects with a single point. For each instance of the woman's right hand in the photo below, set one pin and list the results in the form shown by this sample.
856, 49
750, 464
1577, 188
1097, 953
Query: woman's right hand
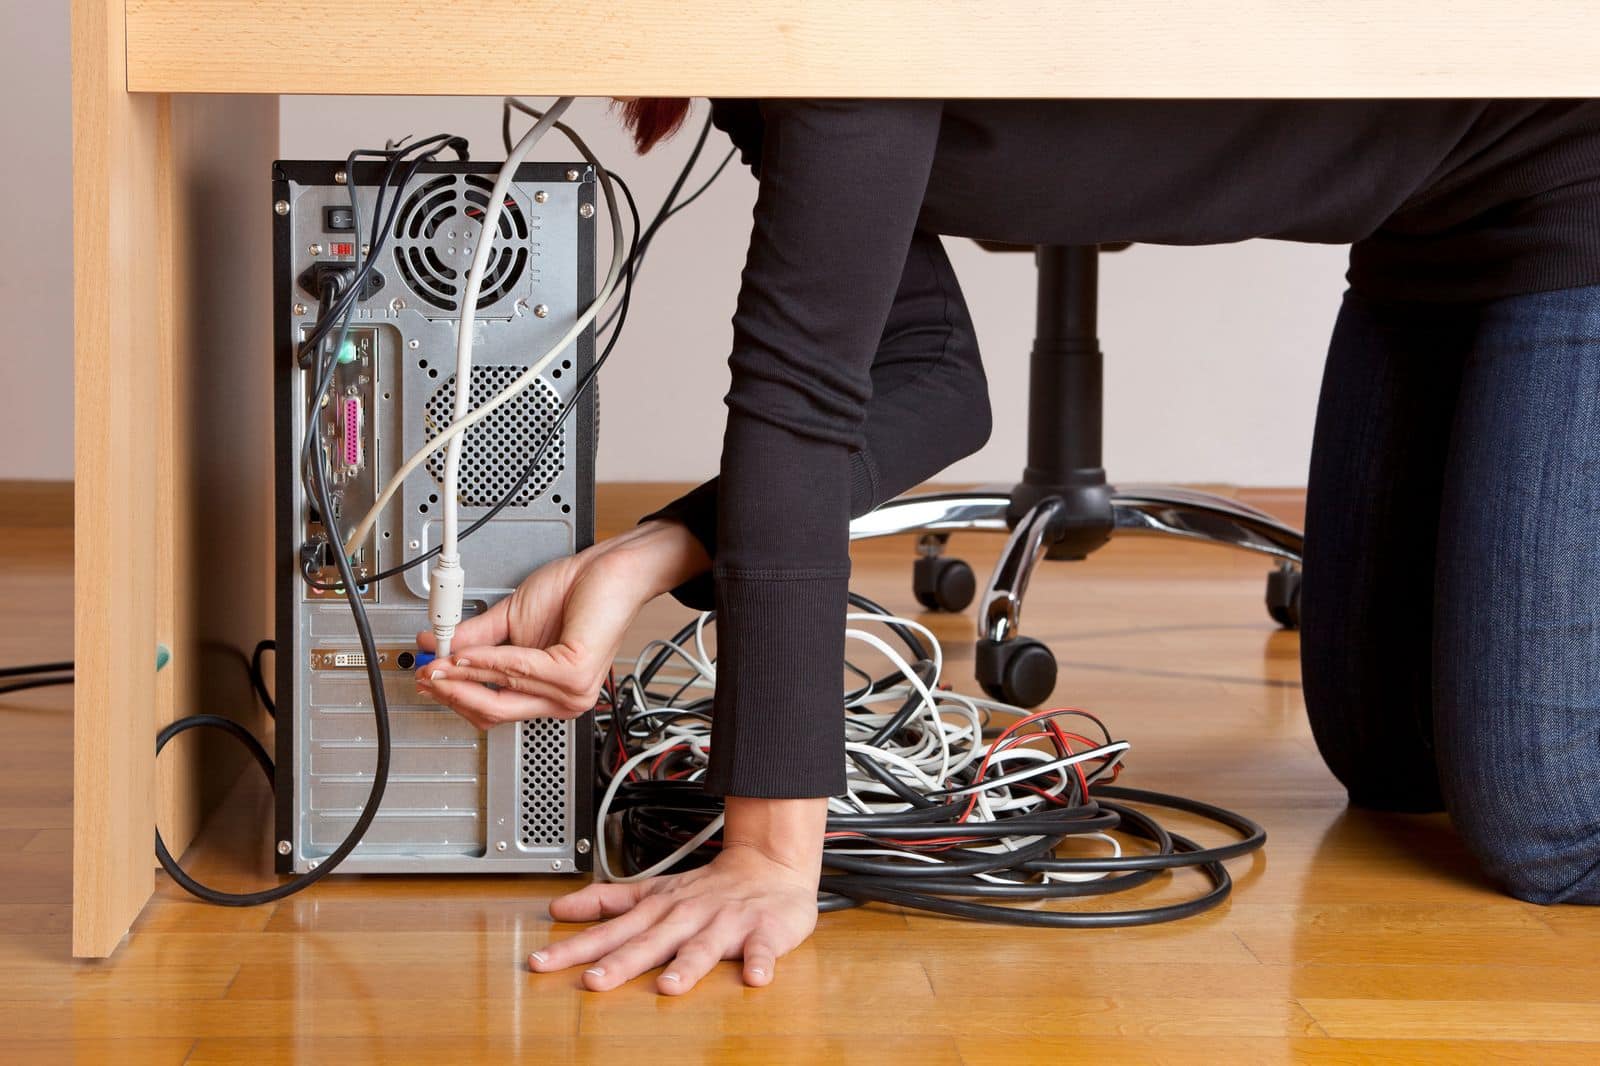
549, 646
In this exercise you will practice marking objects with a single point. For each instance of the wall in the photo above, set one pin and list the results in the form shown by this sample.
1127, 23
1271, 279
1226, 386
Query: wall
35, 241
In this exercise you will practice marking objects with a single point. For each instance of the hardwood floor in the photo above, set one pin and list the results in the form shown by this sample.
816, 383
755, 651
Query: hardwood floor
1352, 938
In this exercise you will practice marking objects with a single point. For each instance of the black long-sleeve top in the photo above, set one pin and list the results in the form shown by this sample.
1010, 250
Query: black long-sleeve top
855, 372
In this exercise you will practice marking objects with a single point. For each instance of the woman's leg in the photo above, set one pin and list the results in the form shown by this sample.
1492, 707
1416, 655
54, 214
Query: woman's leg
1517, 619
1372, 507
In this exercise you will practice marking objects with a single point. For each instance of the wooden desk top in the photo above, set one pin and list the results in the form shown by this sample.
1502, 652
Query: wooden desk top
995, 48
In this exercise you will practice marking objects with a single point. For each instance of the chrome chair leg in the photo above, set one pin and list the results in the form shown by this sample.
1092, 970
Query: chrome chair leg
1019, 669
1174, 512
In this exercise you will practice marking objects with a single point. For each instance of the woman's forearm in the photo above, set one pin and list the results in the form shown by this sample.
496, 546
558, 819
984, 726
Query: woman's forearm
665, 552
787, 831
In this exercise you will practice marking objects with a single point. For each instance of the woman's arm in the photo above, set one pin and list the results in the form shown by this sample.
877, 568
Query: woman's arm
842, 184
929, 406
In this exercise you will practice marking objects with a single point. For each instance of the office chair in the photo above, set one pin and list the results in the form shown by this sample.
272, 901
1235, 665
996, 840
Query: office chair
1063, 508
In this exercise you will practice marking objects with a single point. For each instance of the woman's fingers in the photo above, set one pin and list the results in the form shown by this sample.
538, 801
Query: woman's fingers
601, 940
485, 707
599, 900
696, 958
650, 949
561, 702
760, 958
557, 666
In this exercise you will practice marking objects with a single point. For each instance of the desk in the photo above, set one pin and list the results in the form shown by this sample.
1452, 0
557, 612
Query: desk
175, 122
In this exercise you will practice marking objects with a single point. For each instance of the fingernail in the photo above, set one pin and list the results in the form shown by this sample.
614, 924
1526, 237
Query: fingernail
436, 675
463, 662
595, 971
538, 957
757, 971
669, 977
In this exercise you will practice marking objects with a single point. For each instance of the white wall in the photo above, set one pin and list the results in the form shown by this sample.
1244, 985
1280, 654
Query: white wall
35, 241
1213, 353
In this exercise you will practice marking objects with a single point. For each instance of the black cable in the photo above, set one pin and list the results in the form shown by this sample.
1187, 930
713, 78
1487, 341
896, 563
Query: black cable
258, 680
36, 675
715, 174
36, 668
35, 682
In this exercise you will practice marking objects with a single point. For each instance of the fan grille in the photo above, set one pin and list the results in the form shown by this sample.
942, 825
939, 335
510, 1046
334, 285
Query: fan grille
497, 450
437, 230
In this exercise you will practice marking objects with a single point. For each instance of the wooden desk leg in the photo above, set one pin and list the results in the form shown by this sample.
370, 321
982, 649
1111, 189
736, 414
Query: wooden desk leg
171, 232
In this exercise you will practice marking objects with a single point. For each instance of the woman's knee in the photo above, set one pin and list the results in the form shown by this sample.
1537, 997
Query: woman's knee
1535, 833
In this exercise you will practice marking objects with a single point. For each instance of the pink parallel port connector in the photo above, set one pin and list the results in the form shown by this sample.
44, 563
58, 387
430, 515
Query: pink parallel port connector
350, 438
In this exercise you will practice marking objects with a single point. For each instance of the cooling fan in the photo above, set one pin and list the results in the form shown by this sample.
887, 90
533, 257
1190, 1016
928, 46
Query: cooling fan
438, 230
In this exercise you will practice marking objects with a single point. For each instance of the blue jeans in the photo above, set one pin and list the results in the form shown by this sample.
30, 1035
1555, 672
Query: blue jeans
1450, 609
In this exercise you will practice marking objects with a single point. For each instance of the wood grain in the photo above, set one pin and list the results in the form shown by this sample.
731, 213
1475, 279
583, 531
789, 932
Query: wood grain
1354, 938
994, 48
118, 144
171, 369
214, 475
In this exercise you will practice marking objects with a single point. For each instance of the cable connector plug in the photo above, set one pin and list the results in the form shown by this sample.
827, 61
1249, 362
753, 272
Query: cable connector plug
447, 584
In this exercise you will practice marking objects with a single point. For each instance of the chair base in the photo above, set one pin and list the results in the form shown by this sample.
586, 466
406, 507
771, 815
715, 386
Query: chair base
1010, 666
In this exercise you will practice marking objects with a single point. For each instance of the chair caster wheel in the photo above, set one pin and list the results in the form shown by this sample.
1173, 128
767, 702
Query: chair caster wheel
1283, 596
941, 583
1020, 671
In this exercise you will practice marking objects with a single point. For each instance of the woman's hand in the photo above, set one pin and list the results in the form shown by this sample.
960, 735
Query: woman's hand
757, 900
549, 645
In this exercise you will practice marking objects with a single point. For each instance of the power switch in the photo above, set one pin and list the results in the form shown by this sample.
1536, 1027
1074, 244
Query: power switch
338, 219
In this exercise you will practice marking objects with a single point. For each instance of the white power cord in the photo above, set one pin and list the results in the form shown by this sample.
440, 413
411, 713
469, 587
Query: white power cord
447, 581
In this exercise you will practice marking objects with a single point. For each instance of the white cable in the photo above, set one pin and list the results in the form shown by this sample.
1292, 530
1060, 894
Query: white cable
527, 377
447, 581
603, 860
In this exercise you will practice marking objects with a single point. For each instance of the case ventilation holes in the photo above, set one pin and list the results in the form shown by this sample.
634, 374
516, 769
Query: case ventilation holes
542, 821
498, 449
439, 227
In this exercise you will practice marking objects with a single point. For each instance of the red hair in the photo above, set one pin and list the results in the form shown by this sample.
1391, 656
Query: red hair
653, 119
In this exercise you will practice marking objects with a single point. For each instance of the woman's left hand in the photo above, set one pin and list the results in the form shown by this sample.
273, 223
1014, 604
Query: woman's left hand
752, 902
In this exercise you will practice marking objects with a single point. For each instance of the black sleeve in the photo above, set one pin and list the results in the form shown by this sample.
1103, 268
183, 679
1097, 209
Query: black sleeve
842, 184
929, 406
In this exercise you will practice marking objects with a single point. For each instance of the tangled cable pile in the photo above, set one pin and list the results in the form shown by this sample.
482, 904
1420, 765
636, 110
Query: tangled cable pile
945, 809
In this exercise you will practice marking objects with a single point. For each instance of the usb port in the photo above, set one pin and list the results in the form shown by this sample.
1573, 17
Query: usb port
350, 432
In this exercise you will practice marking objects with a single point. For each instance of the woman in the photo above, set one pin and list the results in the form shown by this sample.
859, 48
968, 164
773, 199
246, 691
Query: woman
1449, 619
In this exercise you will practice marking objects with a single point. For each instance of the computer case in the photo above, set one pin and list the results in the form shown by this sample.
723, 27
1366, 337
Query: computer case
519, 797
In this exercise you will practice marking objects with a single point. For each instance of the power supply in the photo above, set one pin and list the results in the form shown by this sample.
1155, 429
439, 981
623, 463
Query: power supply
517, 798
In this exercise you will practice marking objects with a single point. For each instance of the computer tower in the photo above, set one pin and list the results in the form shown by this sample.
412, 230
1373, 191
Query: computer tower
517, 798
